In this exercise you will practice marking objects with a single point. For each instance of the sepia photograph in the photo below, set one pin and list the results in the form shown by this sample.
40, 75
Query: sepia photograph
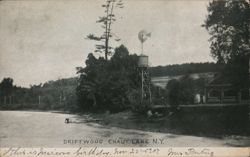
124, 77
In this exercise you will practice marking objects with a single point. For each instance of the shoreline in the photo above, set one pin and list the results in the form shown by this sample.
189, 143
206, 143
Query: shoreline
129, 125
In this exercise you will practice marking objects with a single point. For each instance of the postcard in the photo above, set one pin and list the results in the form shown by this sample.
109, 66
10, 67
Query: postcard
124, 78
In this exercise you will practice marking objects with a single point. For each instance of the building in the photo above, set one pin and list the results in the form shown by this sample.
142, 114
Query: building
220, 90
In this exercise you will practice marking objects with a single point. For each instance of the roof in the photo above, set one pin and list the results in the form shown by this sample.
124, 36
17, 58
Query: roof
220, 80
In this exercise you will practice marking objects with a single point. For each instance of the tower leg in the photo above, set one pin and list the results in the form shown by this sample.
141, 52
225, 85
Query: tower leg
145, 87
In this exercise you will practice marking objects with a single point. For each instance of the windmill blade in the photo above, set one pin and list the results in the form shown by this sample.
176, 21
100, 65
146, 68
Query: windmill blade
148, 35
144, 35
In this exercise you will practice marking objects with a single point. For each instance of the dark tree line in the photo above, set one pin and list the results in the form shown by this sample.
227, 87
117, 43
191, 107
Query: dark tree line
105, 85
184, 69
52, 95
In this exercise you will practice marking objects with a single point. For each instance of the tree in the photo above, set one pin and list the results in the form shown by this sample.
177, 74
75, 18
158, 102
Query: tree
173, 93
228, 22
105, 85
107, 20
6, 88
183, 90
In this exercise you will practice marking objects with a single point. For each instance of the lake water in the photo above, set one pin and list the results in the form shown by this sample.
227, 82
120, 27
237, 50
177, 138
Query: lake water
46, 129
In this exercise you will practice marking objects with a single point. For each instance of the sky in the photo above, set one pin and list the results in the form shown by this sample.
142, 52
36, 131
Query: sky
44, 40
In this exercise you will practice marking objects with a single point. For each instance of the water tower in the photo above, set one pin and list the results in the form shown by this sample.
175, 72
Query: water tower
144, 69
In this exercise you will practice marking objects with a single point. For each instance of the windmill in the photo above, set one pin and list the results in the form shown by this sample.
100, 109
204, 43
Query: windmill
143, 66
143, 35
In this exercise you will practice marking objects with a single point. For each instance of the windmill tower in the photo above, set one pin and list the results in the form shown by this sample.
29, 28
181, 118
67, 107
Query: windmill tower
144, 69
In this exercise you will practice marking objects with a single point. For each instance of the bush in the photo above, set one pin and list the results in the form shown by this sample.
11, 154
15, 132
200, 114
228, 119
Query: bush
182, 92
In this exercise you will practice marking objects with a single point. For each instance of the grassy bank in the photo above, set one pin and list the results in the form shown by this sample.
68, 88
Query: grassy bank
211, 121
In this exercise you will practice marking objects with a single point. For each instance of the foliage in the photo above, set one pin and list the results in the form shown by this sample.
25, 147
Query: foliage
183, 69
182, 92
228, 22
54, 95
6, 86
173, 89
107, 20
236, 72
105, 85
